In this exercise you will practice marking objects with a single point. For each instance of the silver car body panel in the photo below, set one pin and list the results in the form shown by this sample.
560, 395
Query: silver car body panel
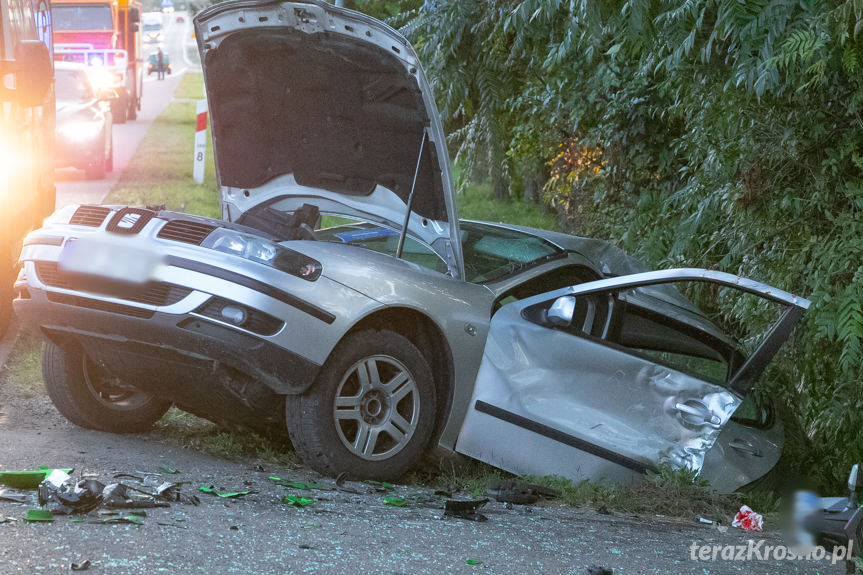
322, 20
743, 453
551, 402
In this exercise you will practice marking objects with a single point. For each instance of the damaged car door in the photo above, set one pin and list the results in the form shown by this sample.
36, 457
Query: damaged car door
613, 378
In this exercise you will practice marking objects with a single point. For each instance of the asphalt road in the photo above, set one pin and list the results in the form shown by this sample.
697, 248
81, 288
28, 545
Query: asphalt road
72, 187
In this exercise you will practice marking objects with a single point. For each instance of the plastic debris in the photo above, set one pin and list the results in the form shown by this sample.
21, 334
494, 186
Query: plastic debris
395, 501
56, 491
28, 479
340, 484
131, 519
597, 570
168, 470
473, 562
465, 509
381, 486
211, 490
297, 484
121, 496
297, 501
518, 492
747, 519
13, 496
39, 515
82, 566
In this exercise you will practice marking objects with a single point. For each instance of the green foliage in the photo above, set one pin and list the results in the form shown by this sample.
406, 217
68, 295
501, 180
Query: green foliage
710, 133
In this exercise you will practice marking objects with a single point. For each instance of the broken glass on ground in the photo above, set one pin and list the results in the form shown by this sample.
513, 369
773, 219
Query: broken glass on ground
297, 501
227, 495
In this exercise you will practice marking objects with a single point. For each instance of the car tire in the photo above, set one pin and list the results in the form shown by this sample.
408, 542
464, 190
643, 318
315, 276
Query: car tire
383, 426
88, 398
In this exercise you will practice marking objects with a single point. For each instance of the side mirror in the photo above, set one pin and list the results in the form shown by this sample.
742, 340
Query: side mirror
134, 15
32, 73
106, 94
561, 311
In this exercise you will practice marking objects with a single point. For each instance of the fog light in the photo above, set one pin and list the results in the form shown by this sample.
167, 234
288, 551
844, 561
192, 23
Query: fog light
235, 315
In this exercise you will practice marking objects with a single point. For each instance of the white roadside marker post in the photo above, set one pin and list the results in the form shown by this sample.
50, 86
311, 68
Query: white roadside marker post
200, 141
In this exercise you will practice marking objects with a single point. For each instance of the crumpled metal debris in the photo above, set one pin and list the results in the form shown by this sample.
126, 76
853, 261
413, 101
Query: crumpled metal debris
58, 494
82, 566
465, 509
519, 493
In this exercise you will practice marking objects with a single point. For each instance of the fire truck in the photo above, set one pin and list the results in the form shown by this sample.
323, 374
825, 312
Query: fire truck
104, 35
27, 191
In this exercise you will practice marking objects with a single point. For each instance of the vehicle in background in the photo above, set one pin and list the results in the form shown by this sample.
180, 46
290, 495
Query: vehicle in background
27, 192
167, 6
153, 63
104, 35
152, 27
180, 18
84, 122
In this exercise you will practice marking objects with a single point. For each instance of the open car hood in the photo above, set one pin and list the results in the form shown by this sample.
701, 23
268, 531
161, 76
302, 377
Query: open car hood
315, 104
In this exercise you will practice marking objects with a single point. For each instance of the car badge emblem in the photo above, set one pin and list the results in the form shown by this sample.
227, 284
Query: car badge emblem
128, 221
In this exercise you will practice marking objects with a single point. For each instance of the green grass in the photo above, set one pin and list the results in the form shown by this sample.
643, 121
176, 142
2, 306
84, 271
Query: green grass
191, 87
23, 372
196, 433
476, 203
160, 172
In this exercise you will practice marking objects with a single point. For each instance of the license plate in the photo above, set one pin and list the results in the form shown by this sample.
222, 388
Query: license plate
118, 260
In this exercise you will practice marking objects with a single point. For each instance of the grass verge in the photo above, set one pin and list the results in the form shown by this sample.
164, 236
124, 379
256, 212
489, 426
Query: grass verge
160, 172
23, 369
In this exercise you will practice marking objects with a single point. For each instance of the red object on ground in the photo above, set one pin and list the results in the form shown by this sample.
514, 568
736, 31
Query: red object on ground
747, 519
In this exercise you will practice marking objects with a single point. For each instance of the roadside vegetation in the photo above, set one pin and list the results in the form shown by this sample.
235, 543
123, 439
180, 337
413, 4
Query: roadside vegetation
711, 133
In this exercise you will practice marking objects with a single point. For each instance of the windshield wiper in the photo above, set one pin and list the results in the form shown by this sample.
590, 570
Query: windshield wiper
410, 201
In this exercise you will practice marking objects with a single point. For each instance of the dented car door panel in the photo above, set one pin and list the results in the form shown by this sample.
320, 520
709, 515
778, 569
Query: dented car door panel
561, 401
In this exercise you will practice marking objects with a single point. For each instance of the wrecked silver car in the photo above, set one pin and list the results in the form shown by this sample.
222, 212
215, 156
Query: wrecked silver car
341, 296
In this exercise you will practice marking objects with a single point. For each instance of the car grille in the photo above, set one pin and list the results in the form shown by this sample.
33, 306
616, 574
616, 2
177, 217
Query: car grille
88, 303
92, 216
256, 321
185, 231
160, 294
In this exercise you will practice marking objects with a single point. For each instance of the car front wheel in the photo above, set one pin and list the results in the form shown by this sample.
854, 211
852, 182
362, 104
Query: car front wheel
371, 411
89, 397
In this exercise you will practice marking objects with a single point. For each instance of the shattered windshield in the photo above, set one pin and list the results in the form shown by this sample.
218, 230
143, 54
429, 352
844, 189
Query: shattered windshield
490, 252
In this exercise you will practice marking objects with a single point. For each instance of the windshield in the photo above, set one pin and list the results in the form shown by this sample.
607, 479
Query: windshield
490, 252
92, 17
72, 85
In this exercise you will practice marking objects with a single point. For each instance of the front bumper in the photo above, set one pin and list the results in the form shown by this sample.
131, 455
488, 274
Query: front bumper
201, 366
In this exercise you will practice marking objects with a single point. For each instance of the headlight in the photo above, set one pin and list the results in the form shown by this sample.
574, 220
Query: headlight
100, 77
263, 252
79, 131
